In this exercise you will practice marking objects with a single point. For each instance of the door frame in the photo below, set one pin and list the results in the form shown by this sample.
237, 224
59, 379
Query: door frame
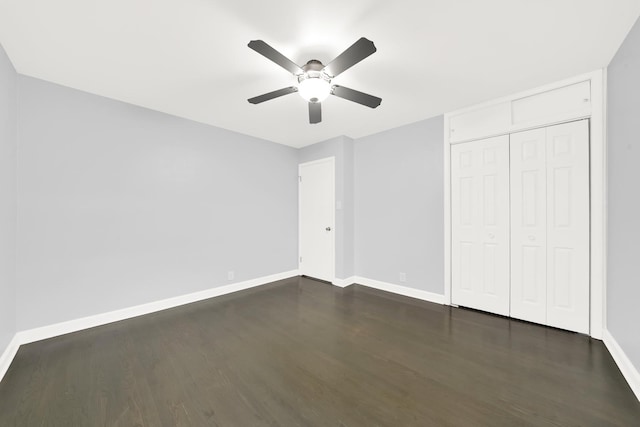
597, 177
332, 161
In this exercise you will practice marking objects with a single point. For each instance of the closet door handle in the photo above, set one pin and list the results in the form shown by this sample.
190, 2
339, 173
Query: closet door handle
491, 235
532, 238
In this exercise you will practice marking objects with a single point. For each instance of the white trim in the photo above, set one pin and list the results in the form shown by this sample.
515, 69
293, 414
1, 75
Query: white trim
318, 161
50, 331
447, 213
598, 209
331, 160
605, 197
343, 283
628, 370
597, 176
7, 356
401, 290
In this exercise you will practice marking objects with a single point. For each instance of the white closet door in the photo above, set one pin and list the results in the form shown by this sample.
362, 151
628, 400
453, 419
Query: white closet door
568, 226
480, 224
528, 167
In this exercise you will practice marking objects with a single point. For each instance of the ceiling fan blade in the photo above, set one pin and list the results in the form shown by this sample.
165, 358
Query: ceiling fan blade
350, 57
356, 96
315, 112
270, 53
271, 95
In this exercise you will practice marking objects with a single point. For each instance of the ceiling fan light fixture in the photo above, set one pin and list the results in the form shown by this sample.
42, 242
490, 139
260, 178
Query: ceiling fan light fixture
314, 89
314, 78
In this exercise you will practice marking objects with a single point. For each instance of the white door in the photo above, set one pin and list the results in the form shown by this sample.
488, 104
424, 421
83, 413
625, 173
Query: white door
568, 226
550, 226
480, 224
317, 219
528, 167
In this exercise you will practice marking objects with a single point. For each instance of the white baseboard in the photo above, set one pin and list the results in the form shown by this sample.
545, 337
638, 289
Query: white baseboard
401, 290
629, 371
50, 331
343, 283
7, 356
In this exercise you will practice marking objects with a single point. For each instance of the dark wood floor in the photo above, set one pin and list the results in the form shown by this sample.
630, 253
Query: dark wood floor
303, 353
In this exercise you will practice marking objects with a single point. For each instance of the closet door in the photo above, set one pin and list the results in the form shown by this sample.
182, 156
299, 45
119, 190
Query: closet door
568, 226
550, 226
480, 224
528, 167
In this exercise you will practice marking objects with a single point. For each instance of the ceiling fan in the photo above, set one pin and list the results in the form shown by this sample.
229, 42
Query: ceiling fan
314, 78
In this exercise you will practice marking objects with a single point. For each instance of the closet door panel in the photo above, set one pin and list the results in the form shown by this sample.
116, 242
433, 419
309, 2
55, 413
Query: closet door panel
463, 207
568, 226
528, 226
480, 224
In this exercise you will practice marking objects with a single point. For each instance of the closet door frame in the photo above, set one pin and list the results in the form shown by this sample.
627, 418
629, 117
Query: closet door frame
500, 120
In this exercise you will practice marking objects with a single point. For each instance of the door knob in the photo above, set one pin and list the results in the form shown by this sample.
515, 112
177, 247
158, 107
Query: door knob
328, 228
532, 238
491, 235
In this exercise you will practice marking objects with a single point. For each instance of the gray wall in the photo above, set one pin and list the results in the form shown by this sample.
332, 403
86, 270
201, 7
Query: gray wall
623, 152
399, 202
342, 149
8, 122
120, 205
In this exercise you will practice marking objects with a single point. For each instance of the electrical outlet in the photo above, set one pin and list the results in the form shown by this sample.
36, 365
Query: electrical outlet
403, 277
231, 275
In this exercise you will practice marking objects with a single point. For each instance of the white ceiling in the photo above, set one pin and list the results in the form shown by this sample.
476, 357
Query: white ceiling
190, 57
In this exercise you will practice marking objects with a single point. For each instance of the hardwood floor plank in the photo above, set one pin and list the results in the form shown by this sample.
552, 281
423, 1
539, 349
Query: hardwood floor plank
304, 353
